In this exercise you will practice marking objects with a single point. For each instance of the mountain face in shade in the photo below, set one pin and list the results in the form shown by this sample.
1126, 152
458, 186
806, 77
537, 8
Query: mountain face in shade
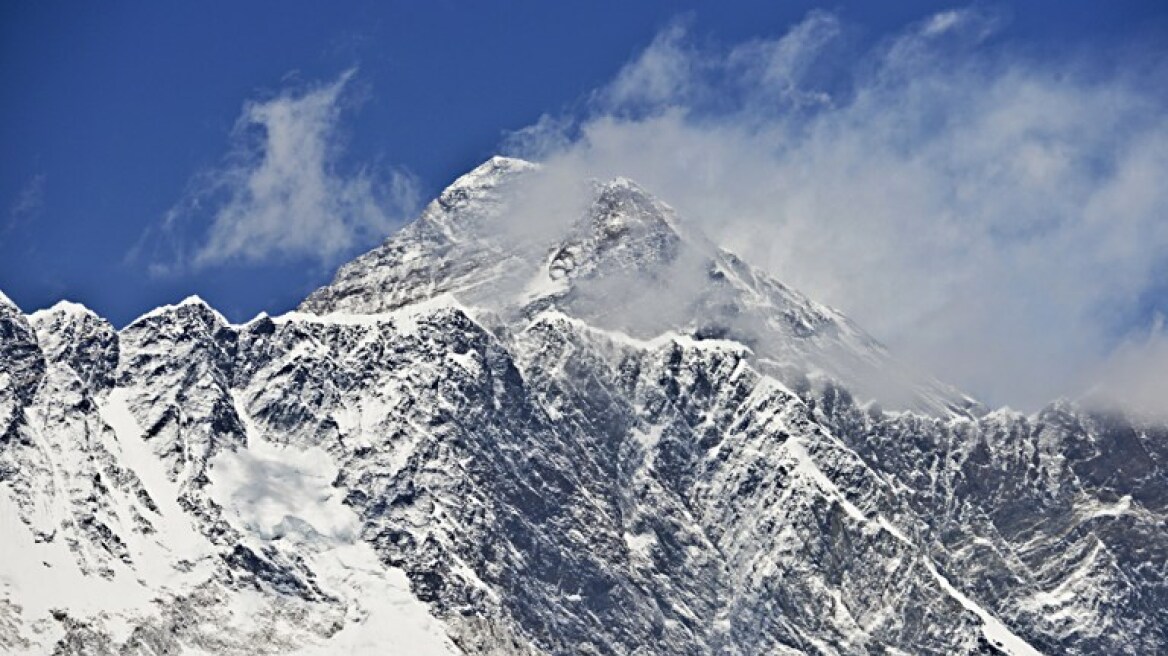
533, 427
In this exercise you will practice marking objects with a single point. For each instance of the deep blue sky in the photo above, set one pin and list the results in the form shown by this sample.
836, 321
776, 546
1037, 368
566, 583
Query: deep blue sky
109, 108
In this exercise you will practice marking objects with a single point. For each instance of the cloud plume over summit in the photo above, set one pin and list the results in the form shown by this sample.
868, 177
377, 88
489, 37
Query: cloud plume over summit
996, 217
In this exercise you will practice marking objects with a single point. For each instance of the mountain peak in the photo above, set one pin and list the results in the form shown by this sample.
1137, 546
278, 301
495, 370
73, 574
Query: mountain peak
78, 337
478, 183
621, 259
192, 303
491, 173
64, 308
625, 229
8, 303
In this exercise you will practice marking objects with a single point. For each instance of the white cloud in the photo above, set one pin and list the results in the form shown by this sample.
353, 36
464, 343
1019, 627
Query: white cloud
941, 22
660, 74
282, 192
992, 218
772, 70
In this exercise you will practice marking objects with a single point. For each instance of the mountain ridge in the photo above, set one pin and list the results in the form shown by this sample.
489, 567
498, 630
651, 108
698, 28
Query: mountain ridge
519, 468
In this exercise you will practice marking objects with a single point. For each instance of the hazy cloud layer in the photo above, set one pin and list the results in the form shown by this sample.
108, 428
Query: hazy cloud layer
282, 192
996, 219
1134, 376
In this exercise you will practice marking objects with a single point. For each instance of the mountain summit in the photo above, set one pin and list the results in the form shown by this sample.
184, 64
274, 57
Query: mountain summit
617, 258
551, 423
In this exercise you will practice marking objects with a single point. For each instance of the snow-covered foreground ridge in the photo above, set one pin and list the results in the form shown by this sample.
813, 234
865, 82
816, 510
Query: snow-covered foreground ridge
614, 439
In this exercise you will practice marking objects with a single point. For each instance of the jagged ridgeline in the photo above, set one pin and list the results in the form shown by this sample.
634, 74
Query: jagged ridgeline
590, 432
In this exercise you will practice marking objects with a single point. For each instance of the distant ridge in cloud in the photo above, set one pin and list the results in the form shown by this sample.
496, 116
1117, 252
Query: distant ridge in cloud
281, 193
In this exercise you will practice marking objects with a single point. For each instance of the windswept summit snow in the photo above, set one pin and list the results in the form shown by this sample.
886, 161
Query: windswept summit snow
529, 424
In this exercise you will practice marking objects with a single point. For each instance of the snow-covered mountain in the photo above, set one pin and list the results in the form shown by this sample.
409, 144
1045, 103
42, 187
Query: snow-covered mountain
523, 427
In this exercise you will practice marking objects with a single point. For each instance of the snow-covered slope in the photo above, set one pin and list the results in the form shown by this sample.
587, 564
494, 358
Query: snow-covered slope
610, 438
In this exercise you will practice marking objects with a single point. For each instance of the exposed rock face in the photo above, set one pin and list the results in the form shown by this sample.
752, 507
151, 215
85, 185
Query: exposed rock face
1058, 518
616, 440
24, 366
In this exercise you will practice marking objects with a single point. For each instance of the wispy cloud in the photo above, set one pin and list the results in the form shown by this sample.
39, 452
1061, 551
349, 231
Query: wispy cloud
282, 192
992, 217
1133, 377
28, 204
662, 73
